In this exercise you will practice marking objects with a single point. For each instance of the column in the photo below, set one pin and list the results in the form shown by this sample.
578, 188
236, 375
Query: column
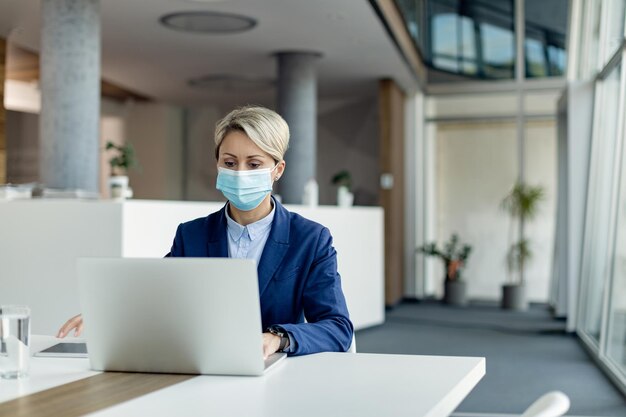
297, 103
70, 93
3, 141
391, 102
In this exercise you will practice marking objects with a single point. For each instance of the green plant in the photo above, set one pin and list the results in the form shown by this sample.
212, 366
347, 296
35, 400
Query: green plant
342, 178
123, 159
521, 203
453, 255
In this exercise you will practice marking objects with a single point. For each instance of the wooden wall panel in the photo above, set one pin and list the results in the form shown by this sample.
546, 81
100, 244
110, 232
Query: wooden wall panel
3, 141
391, 105
23, 65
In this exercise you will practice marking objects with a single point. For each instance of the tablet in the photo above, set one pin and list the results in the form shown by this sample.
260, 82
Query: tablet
65, 350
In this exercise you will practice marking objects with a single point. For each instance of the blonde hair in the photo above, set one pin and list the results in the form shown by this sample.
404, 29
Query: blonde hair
263, 126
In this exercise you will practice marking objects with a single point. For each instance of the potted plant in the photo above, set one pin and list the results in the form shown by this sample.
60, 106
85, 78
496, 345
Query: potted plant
454, 257
521, 203
343, 180
122, 159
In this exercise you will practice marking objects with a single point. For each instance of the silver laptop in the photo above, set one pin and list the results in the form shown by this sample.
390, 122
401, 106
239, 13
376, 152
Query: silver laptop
173, 315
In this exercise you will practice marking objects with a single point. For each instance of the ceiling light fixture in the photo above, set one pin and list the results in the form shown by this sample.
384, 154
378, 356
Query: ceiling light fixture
208, 22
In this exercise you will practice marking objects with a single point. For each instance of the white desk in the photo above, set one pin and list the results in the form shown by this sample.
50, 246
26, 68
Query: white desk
326, 384
46, 373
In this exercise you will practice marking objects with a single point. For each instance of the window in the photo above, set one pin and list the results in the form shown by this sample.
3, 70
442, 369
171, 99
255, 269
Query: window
498, 51
546, 26
476, 38
617, 321
614, 27
454, 44
595, 267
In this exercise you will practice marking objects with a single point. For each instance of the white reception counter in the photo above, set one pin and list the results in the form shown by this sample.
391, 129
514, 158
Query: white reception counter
40, 240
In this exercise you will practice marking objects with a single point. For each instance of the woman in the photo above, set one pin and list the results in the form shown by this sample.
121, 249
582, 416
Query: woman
297, 264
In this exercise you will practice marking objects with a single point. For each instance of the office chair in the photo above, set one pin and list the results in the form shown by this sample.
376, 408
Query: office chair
552, 404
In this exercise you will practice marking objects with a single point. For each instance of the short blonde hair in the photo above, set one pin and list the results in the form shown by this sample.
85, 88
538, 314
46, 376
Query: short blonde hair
263, 126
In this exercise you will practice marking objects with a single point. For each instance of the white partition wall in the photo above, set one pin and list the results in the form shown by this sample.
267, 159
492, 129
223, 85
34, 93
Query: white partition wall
40, 240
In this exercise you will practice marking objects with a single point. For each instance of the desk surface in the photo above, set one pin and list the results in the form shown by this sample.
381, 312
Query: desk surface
330, 384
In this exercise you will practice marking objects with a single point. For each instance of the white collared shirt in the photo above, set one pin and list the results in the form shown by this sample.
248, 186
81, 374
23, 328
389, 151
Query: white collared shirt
247, 242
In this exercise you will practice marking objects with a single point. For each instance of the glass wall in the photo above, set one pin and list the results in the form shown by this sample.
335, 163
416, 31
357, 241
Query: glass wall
617, 320
476, 38
590, 62
596, 261
602, 298
546, 28
614, 28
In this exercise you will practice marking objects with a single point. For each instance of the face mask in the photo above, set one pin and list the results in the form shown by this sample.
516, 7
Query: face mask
245, 189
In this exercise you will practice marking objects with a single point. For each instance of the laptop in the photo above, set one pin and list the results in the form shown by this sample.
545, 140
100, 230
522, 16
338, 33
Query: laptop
173, 315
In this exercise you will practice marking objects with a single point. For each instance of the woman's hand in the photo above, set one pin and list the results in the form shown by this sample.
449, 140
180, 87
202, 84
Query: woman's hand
271, 343
75, 322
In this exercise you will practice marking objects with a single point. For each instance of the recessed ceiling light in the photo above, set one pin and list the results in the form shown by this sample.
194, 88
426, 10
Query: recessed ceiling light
226, 83
208, 22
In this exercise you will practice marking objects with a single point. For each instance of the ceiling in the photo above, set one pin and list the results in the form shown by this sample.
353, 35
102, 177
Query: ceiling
141, 55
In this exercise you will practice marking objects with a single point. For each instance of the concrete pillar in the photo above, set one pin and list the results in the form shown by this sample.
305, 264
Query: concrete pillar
297, 103
70, 93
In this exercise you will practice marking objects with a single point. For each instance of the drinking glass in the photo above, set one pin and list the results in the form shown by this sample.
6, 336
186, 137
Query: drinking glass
14, 341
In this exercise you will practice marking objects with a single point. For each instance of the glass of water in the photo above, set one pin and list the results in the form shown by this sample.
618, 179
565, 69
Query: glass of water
14, 341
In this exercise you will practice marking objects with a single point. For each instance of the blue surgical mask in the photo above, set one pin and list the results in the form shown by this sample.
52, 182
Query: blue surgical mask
245, 189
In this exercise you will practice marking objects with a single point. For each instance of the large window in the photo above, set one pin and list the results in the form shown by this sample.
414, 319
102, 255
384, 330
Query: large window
412, 11
597, 232
602, 298
476, 38
614, 28
453, 45
546, 23
498, 51
617, 320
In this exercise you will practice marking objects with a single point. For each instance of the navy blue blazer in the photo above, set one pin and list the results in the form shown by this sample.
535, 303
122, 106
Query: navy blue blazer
298, 277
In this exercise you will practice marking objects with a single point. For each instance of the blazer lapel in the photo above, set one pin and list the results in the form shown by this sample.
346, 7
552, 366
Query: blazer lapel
217, 246
275, 248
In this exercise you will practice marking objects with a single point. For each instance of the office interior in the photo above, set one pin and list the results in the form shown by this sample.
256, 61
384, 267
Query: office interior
435, 108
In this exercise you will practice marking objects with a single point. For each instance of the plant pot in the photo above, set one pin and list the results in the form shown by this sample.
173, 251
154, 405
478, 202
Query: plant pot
118, 187
344, 197
455, 293
514, 297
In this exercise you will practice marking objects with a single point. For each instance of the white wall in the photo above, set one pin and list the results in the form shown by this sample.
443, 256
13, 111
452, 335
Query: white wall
156, 130
22, 133
348, 139
475, 168
41, 240
113, 120
541, 169
200, 169
471, 160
